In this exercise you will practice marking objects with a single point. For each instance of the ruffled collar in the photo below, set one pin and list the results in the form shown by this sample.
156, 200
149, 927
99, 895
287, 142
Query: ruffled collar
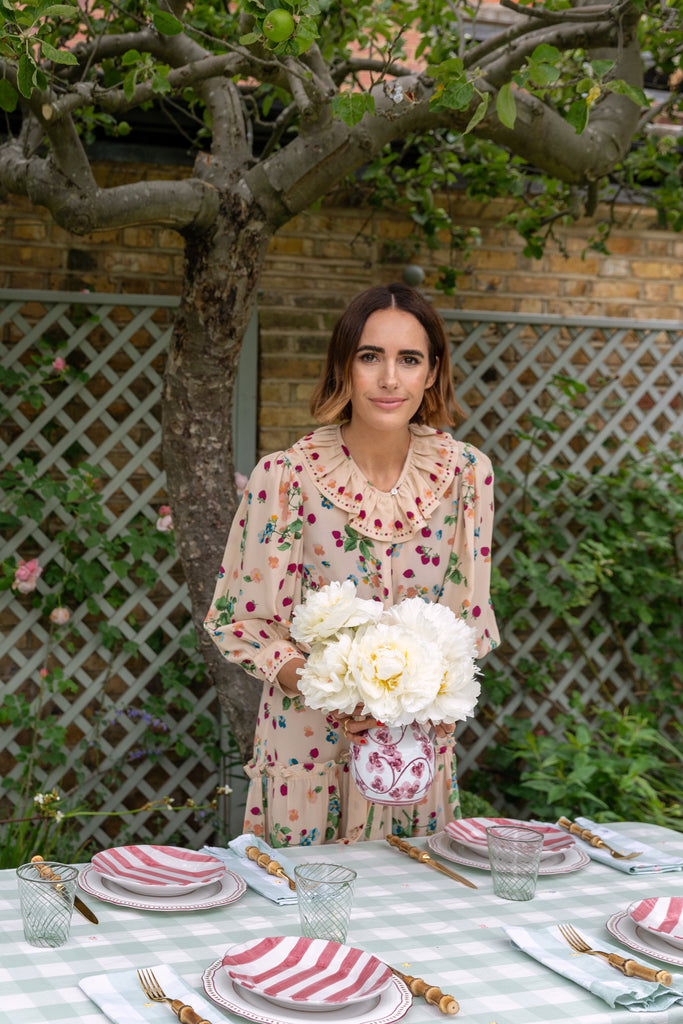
391, 516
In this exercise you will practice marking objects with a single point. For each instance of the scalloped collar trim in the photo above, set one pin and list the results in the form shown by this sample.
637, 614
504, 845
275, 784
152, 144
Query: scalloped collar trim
393, 516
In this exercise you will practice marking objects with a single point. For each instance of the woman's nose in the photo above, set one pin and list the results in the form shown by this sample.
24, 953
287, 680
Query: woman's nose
388, 376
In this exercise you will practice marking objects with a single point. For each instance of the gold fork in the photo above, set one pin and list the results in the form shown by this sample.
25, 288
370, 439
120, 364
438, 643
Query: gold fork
154, 991
628, 967
590, 837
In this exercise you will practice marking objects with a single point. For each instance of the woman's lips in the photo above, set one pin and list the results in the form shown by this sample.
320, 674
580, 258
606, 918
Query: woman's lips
388, 403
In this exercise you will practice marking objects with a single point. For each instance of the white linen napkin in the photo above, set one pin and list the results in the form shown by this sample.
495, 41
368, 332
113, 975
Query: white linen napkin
119, 995
652, 861
592, 972
273, 888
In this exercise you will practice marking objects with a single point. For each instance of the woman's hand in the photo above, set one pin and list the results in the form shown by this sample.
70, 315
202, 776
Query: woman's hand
288, 676
356, 724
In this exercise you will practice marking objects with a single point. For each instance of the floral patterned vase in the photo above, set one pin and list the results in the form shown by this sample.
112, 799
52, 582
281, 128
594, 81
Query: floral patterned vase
395, 766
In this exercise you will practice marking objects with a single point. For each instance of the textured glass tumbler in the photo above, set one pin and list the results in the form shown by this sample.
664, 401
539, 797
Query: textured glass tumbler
46, 905
514, 856
325, 897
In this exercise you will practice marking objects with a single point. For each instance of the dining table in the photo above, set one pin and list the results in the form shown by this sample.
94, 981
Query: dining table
412, 917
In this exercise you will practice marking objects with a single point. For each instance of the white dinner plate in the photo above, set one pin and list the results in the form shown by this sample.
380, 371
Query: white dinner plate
157, 870
471, 833
624, 928
306, 973
390, 1005
227, 889
561, 863
662, 916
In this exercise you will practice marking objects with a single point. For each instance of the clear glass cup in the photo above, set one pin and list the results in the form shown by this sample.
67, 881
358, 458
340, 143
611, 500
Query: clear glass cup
514, 856
325, 897
46, 904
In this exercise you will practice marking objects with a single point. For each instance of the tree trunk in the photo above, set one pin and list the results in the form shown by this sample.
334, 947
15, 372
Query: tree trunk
221, 274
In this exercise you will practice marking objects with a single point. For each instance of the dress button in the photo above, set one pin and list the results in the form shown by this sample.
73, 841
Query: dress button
394, 490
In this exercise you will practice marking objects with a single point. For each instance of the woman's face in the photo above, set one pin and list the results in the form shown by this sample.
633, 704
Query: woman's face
390, 371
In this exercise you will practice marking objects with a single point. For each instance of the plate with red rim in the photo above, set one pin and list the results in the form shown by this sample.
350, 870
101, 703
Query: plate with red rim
157, 870
389, 1005
471, 833
624, 928
572, 858
662, 916
316, 974
228, 888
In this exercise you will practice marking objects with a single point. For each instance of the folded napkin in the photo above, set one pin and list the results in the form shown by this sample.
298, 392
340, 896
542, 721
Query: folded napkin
119, 995
273, 888
592, 972
651, 862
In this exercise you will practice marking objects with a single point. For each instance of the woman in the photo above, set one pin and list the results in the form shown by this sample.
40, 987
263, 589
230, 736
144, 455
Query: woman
377, 495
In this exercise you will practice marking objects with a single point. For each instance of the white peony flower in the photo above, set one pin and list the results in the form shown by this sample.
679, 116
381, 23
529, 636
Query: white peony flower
327, 611
397, 672
456, 643
325, 682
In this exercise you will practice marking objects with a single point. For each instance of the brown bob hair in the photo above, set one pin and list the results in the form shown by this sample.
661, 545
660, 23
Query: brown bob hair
331, 402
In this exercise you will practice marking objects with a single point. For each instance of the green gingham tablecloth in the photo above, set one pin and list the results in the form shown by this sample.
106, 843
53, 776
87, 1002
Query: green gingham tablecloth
415, 918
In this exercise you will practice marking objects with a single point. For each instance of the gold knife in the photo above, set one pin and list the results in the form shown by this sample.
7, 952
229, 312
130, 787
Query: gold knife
424, 858
47, 872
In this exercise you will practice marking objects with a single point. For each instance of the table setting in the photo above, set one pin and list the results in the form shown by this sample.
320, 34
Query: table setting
220, 934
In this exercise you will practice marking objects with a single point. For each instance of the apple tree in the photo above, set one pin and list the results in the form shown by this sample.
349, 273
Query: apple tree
285, 98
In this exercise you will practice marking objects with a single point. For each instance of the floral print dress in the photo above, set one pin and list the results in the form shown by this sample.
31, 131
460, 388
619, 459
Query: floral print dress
308, 517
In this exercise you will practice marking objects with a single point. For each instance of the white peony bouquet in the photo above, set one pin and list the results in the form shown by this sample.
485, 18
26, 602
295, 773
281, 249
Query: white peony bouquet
412, 662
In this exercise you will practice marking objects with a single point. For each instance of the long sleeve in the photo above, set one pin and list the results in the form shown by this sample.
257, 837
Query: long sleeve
468, 577
259, 582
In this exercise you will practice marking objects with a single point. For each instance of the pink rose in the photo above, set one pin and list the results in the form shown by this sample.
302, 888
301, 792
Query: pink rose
26, 576
165, 510
60, 616
44, 673
164, 523
59, 364
241, 482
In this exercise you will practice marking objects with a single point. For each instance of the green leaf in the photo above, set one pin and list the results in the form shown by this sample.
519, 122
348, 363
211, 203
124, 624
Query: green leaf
26, 71
456, 95
351, 107
478, 113
633, 93
506, 108
129, 85
8, 96
601, 67
167, 23
55, 10
249, 38
545, 54
577, 115
57, 56
131, 57
543, 74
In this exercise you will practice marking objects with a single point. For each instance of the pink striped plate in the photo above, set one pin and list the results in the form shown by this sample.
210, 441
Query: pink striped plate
161, 870
471, 832
661, 916
288, 970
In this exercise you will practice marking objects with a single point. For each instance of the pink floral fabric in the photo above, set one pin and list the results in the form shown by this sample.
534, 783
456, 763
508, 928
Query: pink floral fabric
308, 517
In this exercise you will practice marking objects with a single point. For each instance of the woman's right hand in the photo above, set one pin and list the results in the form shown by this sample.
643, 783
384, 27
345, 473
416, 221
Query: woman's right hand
356, 724
288, 676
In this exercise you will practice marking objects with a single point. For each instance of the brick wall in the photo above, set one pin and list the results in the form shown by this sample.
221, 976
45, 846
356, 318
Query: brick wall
320, 259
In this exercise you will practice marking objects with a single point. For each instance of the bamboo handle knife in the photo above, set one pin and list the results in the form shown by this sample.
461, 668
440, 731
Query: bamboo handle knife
430, 993
423, 857
47, 872
273, 867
